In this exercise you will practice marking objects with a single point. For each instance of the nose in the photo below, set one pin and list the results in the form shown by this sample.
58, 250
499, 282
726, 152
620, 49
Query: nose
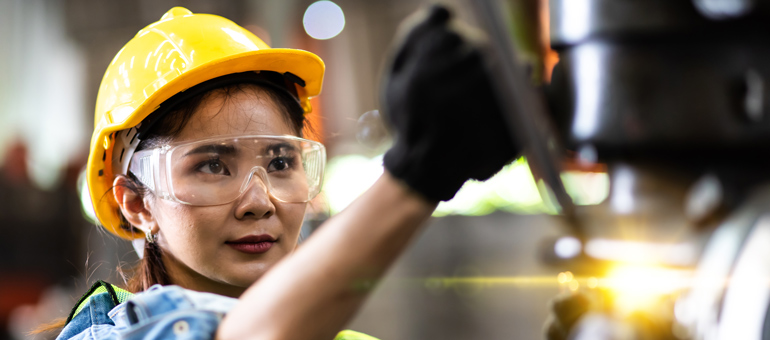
254, 201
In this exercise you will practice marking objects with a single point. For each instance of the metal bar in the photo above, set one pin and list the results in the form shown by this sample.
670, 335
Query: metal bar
527, 116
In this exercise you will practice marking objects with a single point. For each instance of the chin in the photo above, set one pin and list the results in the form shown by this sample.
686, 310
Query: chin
245, 277
244, 274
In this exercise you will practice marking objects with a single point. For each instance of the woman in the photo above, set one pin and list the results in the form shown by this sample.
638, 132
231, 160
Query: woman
198, 151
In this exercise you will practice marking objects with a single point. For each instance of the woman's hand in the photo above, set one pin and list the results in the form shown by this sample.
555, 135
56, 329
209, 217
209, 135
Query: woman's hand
439, 98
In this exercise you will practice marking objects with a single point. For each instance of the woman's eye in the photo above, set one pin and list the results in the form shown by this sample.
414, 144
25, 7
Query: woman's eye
214, 167
279, 164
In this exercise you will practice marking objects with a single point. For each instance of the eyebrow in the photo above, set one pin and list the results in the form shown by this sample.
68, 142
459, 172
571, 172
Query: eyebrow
276, 148
213, 148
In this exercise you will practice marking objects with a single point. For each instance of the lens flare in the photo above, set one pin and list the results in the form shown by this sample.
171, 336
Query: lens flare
640, 287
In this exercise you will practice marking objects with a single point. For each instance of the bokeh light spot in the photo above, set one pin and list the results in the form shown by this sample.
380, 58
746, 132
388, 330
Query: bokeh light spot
562, 277
567, 247
323, 20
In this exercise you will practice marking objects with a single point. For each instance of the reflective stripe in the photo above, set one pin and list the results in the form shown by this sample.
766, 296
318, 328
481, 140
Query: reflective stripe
117, 294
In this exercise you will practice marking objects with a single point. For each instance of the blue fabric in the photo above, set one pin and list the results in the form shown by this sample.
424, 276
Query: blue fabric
91, 320
161, 312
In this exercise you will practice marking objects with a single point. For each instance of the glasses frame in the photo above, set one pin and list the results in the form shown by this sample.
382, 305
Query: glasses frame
146, 166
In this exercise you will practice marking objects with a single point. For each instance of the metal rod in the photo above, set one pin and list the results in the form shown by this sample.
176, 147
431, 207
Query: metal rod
527, 116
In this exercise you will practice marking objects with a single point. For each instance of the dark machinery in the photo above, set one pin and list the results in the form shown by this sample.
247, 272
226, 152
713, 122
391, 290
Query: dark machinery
673, 97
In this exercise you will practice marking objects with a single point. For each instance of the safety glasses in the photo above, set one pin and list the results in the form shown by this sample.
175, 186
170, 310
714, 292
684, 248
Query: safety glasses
218, 170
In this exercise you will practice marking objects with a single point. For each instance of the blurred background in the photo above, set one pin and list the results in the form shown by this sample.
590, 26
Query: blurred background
483, 269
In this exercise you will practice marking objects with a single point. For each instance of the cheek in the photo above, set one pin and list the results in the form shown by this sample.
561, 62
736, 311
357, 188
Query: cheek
291, 216
189, 229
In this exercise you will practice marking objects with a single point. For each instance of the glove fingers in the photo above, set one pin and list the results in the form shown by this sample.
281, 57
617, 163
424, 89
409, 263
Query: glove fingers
401, 81
435, 51
418, 26
438, 15
413, 82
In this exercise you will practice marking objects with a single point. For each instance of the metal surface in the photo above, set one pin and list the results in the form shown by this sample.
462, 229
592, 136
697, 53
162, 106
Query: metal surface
655, 77
678, 85
527, 116
700, 310
689, 95
573, 21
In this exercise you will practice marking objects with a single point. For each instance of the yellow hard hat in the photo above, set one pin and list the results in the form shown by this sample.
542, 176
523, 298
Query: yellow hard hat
167, 57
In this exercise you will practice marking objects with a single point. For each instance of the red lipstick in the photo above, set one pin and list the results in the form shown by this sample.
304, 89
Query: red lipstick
252, 244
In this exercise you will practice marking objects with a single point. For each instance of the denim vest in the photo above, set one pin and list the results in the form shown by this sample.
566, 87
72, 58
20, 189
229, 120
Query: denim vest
161, 312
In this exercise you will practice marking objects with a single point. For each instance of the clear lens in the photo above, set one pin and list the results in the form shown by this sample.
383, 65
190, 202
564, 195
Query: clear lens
217, 171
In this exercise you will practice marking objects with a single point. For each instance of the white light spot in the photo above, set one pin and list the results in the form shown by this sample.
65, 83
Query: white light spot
577, 19
591, 59
622, 197
567, 247
323, 20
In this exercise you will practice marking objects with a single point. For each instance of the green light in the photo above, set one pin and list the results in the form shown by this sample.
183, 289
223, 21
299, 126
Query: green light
347, 177
586, 188
513, 189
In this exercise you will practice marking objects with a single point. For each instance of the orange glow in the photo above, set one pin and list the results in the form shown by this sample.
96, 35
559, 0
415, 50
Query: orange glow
314, 128
550, 57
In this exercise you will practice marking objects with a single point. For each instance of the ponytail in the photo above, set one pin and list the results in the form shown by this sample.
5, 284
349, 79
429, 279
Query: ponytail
149, 271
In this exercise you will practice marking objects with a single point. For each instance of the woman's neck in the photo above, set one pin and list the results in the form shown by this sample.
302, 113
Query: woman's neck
183, 276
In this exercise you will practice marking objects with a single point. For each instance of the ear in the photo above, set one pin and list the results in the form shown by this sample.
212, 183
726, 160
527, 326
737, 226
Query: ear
133, 205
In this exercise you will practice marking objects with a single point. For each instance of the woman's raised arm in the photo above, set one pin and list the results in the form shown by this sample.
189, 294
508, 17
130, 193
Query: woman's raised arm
314, 292
449, 128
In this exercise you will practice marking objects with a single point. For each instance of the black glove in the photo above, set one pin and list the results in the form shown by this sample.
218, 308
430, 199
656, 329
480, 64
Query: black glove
439, 99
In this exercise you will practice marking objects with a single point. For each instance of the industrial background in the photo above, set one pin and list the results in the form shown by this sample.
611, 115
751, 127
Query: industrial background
53, 56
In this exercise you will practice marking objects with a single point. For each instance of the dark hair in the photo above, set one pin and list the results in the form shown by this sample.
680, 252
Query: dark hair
151, 270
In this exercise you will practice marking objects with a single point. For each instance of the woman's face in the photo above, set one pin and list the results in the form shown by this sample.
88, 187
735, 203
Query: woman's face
197, 241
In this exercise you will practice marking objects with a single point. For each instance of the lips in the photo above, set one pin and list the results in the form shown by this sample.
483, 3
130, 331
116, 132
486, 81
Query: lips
252, 244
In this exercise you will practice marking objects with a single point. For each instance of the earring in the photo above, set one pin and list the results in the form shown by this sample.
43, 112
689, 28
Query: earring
151, 238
